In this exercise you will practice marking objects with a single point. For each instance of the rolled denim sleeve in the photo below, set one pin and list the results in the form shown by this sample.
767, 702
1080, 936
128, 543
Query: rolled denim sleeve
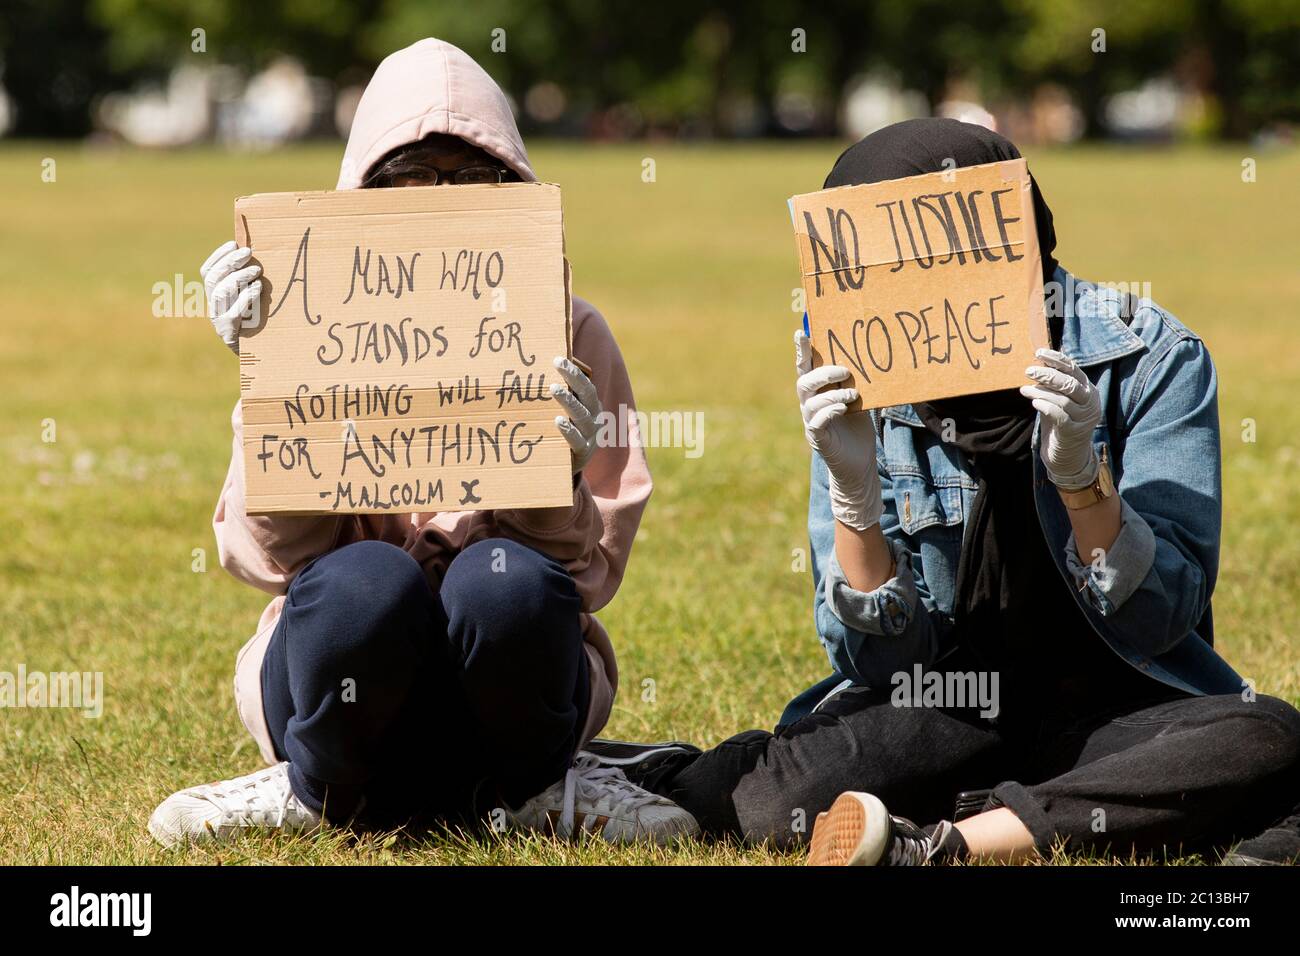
887, 610
1111, 579
868, 636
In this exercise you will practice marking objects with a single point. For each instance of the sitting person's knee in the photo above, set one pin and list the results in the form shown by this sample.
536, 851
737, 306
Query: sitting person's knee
501, 587
372, 584
1279, 725
1265, 731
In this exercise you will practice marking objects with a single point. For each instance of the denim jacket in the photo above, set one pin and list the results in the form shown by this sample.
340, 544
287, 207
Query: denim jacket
1148, 597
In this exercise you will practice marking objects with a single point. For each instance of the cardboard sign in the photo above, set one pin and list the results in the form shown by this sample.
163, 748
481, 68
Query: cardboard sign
924, 287
404, 361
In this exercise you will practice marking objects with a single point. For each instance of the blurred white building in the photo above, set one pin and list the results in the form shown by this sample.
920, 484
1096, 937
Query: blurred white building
6, 112
279, 104
874, 101
178, 114
1157, 108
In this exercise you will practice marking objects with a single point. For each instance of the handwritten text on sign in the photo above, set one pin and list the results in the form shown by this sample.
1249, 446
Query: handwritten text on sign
404, 362
924, 287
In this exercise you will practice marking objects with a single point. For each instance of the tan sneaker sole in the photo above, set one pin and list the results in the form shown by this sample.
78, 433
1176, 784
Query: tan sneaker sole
853, 832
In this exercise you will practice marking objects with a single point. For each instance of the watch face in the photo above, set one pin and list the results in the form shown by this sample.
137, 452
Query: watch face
1102, 487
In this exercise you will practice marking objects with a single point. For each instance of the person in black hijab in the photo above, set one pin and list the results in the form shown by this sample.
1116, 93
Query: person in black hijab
1006, 582
1099, 735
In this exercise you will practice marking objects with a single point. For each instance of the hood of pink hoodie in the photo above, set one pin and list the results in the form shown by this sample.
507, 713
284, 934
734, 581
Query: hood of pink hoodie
431, 87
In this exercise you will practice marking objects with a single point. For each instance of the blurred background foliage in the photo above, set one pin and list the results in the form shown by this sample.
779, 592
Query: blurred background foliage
724, 69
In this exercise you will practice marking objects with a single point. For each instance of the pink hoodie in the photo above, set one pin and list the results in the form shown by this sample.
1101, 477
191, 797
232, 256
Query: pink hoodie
433, 87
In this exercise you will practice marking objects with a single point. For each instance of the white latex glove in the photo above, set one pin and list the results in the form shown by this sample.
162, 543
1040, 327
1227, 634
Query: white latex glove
583, 405
234, 293
847, 443
1069, 410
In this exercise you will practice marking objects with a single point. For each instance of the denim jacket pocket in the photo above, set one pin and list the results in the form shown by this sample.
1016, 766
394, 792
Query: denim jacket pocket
922, 503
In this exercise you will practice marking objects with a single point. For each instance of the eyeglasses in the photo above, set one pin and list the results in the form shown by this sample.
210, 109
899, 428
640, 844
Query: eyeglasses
432, 176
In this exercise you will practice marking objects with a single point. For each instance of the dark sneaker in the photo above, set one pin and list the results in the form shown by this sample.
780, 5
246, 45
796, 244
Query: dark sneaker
646, 765
858, 831
1279, 845
624, 753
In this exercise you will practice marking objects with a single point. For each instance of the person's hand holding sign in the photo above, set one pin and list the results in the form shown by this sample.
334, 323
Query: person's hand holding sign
847, 443
582, 403
1069, 409
234, 290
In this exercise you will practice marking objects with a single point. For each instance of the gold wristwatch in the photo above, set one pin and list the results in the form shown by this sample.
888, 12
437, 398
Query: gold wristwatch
1102, 487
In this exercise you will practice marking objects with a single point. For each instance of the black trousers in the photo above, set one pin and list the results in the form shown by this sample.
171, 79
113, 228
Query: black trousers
424, 702
1181, 772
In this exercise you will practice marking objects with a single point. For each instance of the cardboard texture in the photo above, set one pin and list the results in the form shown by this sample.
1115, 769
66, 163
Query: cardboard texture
404, 359
925, 287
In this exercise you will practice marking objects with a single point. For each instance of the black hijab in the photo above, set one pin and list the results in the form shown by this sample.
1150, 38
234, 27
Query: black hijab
1007, 583
918, 146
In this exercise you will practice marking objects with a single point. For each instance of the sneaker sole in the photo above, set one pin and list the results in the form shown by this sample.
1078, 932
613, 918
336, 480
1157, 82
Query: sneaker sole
1236, 859
170, 839
853, 832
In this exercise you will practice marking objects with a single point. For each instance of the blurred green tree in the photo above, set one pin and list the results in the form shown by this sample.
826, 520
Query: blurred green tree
53, 65
718, 68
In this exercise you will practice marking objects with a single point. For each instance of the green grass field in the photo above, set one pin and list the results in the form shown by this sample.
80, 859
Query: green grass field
694, 272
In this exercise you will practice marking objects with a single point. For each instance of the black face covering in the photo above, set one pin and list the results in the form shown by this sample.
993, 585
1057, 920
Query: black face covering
1007, 584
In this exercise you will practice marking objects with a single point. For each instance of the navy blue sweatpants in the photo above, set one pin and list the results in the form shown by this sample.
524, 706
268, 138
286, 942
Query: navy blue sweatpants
426, 703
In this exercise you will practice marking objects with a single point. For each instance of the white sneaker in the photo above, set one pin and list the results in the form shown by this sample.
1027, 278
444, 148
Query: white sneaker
220, 811
600, 800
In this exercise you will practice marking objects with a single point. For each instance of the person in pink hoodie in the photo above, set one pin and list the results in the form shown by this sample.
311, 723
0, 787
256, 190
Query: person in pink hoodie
395, 673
